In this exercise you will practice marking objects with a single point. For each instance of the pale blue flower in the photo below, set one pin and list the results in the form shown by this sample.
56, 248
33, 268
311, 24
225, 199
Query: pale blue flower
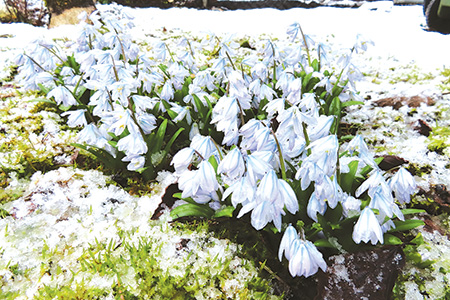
351, 206
288, 196
182, 113
383, 202
403, 185
204, 146
238, 89
143, 102
225, 116
90, 134
167, 91
274, 106
182, 159
257, 165
290, 234
293, 30
147, 122
132, 144
294, 92
308, 172
207, 177
75, 117
321, 129
242, 192
295, 56
119, 119
199, 184
324, 153
232, 164
285, 78
261, 215
121, 90
315, 206
306, 260
204, 79
328, 190
371, 184
62, 95
136, 162
272, 196
367, 228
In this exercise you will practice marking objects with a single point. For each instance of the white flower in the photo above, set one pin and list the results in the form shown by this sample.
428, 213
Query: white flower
403, 185
232, 164
367, 228
62, 95
304, 258
132, 144
75, 117
182, 159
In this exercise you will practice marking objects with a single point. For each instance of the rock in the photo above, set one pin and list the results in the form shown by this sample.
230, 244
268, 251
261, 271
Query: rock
423, 128
361, 275
32, 12
67, 12
391, 161
399, 101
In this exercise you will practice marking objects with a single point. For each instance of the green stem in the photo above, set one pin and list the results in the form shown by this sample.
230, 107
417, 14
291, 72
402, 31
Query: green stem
307, 141
231, 61
115, 69
306, 46
280, 154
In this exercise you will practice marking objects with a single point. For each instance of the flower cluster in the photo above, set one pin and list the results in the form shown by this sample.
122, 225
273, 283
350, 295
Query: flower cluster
257, 132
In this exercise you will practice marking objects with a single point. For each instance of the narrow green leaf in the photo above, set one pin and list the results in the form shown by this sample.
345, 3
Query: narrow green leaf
190, 209
44, 100
323, 243
347, 179
159, 138
412, 211
350, 103
406, 225
212, 160
224, 212
390, 239
199, 105
172, 140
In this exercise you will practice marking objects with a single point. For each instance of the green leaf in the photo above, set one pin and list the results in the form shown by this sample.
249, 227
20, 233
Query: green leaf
406, 225
44, 100
159, 138
191, 209
350, 103
335, 107
212, 160
412, 211
172, 140
315, 65
324, 243
390, 239
418, 240
226, 211
347, 179
200, 107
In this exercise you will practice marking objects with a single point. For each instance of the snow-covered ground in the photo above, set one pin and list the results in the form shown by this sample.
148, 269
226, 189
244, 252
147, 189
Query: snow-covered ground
405, 60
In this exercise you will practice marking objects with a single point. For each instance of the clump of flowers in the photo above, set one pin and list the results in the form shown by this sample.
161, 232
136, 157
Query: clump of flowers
254, 136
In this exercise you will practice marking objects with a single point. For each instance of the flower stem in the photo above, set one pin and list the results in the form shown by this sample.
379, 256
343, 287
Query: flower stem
280, 154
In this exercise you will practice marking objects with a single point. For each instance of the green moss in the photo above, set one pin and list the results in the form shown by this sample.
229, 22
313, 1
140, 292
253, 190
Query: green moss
439, 139
80, 291
149, 279
419, 170
445, 86
411, 74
